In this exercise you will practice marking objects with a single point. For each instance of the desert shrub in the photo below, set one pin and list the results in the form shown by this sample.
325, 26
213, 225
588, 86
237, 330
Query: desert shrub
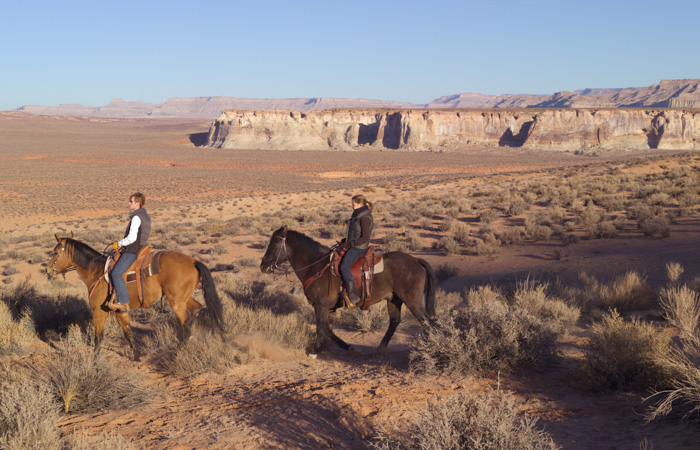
610, 203
445, 271
86, 381
489, 245
374, 319
392, 243
688, 200
205, 352
682, 307
590, 216
425, 223
15, 335
673, 272
486, 334
488, 216
446, 225
627, 292
261, 294
449, 245
538, 232
657, 226
683, 392
10, 270
28, 412
447, 301
603, 229
512, 235
413, 240
517, 207
622, 355
659, 198
461, 233
639, 212
469, 421
534, 299
185, 238
555, 214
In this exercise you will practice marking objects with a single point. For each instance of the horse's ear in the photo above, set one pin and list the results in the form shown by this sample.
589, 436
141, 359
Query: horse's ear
58, 239
71, 235
283, 230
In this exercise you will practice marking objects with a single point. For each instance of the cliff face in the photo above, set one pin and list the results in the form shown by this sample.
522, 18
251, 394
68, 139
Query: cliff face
450, 130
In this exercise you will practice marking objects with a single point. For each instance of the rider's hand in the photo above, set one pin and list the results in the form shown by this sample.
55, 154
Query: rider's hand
115, 246
345, 245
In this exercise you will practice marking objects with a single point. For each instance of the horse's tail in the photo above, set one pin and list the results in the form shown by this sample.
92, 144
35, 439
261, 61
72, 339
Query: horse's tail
215, 309
430, 286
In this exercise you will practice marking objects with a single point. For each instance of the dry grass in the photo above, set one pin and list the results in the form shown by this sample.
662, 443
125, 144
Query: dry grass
86, 381
263, 322
468, 421
28, 412
15, 335
682, 307
627, 292
488, 333
622, 356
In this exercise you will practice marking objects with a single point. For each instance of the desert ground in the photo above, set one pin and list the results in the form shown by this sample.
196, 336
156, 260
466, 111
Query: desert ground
63, 174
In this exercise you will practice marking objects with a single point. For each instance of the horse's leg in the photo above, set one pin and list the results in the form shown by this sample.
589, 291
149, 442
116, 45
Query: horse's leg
192, 308
180, 308
99, 317
123, 319
322, 329
393, 306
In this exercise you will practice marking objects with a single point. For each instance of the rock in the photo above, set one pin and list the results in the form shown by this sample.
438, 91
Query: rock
452, 130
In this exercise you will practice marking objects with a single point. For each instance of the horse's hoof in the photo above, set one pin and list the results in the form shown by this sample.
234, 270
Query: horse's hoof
312, 355
354, 353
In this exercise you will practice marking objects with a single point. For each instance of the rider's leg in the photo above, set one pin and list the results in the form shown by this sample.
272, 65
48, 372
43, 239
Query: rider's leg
117, 277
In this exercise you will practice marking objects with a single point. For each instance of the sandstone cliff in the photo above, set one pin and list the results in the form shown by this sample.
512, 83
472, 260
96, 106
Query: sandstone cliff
453, 130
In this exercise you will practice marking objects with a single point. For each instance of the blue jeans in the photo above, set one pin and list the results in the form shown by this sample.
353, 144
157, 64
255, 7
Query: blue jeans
116, 275
351, 255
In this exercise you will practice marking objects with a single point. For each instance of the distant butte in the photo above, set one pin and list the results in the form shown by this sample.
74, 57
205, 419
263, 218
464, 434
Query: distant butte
665, 94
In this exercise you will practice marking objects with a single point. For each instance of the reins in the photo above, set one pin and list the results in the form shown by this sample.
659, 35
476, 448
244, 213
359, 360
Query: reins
314, 277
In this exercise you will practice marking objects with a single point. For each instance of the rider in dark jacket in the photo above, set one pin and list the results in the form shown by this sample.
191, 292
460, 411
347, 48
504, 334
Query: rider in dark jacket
357, 242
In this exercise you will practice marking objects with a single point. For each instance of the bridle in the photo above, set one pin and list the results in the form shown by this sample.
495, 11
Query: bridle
71, 265
311, 279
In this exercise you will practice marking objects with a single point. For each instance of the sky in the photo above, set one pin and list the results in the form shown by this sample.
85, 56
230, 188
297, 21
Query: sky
90, 52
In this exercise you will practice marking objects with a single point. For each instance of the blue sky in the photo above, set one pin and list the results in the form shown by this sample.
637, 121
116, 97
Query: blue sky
90, 52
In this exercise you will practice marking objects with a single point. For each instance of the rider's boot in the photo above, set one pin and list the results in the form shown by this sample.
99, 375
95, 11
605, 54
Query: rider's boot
352, 293
115, 306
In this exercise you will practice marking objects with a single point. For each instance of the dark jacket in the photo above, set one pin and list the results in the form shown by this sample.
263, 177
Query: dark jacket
143, 233
360, 228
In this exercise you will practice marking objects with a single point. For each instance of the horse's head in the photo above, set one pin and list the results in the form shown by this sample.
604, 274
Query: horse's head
276, 251
60, 261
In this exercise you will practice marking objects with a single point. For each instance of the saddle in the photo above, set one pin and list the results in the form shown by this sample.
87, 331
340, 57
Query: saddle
363, 271
146, 265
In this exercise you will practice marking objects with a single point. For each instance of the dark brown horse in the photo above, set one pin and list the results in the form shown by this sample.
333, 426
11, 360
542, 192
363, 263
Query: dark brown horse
405, 280
179, 276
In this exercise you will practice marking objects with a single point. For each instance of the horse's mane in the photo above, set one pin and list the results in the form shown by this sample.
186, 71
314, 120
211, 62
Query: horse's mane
309, 244
84, 255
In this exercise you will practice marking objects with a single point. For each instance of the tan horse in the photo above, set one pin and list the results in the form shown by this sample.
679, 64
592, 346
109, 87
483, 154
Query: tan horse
179, 276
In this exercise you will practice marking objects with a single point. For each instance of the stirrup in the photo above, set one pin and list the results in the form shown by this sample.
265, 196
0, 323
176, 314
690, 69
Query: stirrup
116, 306
346, 301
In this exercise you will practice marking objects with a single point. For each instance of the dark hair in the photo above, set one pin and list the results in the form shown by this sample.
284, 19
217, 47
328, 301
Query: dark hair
361, 199
138, 197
